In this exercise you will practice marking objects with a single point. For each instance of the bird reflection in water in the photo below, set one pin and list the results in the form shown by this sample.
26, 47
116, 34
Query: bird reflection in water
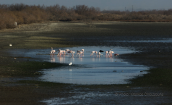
52, 58
61, 59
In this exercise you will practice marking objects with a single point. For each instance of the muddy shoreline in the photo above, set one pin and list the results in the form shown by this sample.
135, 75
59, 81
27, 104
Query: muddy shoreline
63, 34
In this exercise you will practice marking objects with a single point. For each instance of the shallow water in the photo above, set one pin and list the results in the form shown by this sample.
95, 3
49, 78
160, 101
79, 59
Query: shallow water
87, 69
102, 75
93, 69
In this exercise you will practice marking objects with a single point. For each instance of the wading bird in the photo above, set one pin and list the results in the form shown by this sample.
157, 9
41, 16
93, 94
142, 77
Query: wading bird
52, 51
72, 53
116, 54
110, 53
80, 52
61, 52
93, 52
101, 51
100, 54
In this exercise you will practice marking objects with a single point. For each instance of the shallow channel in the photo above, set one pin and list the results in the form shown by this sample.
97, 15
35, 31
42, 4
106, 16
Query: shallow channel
94, 69
87, 69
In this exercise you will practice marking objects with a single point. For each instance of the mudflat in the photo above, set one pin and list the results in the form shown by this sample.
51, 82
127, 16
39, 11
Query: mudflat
136, 35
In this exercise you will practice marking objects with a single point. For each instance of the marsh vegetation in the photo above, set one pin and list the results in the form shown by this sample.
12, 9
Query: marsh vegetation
26, 14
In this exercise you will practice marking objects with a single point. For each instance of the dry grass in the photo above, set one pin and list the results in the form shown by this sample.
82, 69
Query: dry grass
25, 14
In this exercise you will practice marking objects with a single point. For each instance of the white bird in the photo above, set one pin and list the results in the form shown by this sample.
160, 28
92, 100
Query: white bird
93, 52
52, 51
70, 63
99, 54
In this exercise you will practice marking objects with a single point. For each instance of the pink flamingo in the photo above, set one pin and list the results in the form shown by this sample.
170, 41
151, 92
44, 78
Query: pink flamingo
110, 53
100, 54
80, 52
72, 52
107, 53
67, 51
61, 52
52, 51
93, 52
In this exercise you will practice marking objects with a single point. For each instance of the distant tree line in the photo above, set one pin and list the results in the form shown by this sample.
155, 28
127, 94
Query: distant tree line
139, 16
25, 14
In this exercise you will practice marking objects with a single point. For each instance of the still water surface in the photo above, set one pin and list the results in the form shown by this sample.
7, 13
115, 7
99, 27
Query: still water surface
93, 69
87, 69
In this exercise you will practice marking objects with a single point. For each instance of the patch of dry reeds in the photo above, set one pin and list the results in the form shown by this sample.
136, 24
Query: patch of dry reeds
26, 14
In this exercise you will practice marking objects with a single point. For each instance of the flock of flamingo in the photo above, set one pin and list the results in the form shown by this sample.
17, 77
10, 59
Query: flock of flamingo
81, 52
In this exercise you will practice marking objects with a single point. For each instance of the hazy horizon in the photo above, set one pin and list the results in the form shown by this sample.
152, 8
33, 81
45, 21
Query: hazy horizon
121, 5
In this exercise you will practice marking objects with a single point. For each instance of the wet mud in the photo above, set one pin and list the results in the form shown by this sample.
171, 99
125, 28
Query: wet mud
123, 34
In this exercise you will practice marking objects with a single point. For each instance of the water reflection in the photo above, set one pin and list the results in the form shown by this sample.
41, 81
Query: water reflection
93, 59
95, 75
86, 69
61, 59
52, 58
80, 59
96, 70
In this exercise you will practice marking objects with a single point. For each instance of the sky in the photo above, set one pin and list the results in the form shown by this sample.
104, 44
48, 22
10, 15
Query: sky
102, 4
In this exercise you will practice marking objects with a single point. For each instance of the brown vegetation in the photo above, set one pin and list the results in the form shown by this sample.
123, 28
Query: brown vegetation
25, 14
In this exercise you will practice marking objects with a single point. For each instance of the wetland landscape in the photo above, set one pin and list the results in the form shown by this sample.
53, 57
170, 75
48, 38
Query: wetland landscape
141, 74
